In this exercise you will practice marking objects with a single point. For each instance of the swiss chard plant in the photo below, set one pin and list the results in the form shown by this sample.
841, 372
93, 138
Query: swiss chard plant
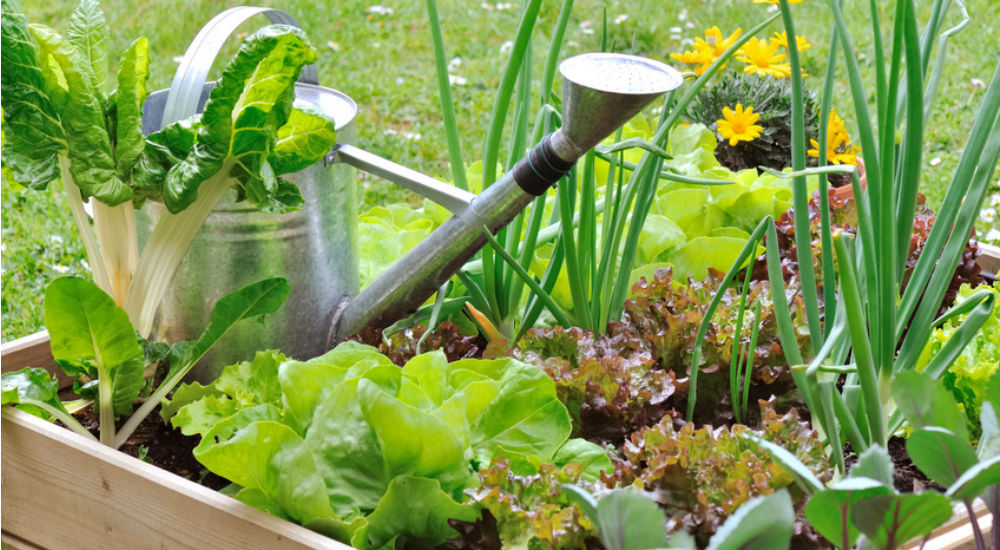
373, 454
626, 518
62, 123
864, 509
94, 343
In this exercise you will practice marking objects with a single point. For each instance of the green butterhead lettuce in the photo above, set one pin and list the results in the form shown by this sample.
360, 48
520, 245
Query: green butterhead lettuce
394, 447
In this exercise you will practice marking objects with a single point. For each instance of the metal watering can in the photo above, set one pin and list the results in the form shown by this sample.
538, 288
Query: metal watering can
315, 248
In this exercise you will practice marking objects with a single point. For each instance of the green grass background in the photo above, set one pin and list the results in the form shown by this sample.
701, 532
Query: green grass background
385, 62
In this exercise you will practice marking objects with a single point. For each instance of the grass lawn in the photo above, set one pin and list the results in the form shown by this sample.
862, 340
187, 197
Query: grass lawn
382, 57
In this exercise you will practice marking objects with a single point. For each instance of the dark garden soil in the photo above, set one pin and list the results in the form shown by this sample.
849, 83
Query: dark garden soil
905, 476
155, 442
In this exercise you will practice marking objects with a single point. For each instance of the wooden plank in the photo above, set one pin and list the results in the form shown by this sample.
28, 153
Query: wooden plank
32, 351
989, 258
61, 490
956, 533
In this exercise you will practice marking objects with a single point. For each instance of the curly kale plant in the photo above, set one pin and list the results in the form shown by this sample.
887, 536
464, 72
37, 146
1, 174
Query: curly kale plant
772, 99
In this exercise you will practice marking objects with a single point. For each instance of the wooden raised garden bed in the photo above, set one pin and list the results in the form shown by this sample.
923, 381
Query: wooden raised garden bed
61, 490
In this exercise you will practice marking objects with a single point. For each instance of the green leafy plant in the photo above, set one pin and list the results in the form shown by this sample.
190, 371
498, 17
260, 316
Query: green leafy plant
867, 317
530, 508
973, 367
610, 383
703, 475
60, 123
626, 518
370, 453
770, 97
94, 343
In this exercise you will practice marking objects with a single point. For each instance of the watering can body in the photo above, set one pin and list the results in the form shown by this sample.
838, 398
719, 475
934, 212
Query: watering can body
314, 248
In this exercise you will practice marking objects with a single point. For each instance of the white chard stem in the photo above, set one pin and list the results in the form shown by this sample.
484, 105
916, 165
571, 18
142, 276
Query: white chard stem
166, 248
117, 236
75, 200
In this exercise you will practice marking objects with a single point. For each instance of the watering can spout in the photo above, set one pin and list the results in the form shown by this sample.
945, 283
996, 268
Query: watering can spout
600, 93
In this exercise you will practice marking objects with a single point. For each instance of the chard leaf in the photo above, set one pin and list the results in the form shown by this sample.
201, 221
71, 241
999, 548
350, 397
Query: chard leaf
33, 136
926, 402
34, 390
162, 150
874, 463
763, 522
241, 120
133, 73
940, 454
890, 520
85, 325
303, 140
829, 511
989, 442
89, 33
974, 481
414, 513
69, 84
255, 299
630, 521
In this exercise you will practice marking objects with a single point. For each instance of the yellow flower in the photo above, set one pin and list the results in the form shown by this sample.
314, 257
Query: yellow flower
839, 149
738, 125
707, 50
775, 2
714, 41
762, 59
782, 39
701, 58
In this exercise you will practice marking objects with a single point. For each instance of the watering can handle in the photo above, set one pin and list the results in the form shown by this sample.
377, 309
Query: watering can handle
189, 80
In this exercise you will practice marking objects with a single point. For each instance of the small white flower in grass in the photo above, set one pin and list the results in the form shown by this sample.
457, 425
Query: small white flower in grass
988, 215
683, 14
455, 63
379, 10
689, 25
995, 200
993, 235
389, 132
934, 161
457, 80
333, 45
486, 6
177, 59
621, 19
412, 136
507, 46
501, 6
586, 27
61, 268
676, 29
978, 83
57, 239
675, 37
400, 80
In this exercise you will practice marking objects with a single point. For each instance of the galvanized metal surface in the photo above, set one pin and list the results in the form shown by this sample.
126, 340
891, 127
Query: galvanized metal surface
314, 248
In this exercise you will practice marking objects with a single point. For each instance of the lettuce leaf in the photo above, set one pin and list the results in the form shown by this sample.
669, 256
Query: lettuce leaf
350, 436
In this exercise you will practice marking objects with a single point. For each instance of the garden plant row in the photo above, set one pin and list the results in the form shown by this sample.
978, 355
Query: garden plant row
694, 341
